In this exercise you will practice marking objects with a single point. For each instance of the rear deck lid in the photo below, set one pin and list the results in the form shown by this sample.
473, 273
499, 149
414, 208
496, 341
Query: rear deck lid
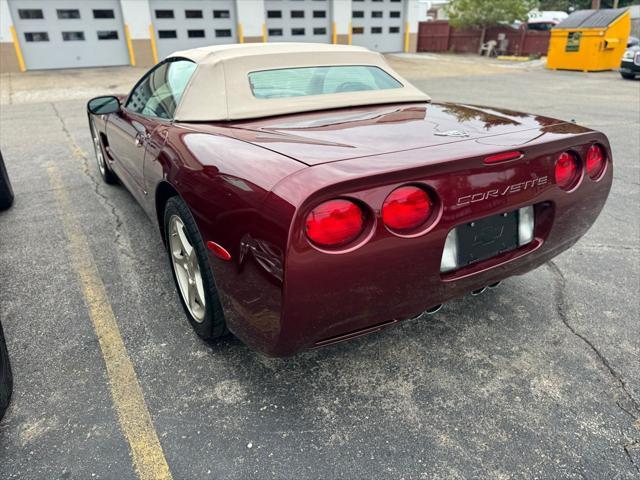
333, 135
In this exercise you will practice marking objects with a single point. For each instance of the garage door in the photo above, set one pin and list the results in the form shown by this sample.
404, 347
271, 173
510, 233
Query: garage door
298, 21
377, 24
192, 23
68, 34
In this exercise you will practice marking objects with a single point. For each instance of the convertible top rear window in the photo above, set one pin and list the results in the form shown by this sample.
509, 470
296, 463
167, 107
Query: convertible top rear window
305, 81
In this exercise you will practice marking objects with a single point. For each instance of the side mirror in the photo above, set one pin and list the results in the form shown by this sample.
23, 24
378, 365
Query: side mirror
104, 105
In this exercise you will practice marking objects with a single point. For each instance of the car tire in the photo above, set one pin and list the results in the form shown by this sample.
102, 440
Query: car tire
6, 379
106, 173
193, 265
6, 191
628, 76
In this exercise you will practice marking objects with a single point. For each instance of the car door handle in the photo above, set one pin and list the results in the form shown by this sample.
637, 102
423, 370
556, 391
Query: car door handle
141, 138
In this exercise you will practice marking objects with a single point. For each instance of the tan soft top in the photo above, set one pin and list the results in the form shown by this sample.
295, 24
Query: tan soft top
219, 88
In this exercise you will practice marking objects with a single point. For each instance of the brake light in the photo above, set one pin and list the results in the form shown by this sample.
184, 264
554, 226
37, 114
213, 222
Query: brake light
334, 223
503, 157
406, 208
567, 170
595, 161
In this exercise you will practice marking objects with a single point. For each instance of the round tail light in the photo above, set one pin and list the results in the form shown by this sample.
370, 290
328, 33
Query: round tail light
595, 161
567, 170
333, 223
406, 208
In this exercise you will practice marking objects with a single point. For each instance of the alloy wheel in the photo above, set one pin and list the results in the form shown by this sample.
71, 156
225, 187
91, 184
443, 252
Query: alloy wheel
187, 269
99, 155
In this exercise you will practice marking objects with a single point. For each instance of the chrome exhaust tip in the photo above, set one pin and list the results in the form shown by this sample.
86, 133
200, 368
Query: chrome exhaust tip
428, 311
478, 291
495, 285
434, 309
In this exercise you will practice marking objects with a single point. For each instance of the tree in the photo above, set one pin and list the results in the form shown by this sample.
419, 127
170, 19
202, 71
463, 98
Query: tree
483, 14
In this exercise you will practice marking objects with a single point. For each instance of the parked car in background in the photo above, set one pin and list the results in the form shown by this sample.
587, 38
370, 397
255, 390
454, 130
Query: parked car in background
630, 64
6, 379
329, 197
6, 192
633, 41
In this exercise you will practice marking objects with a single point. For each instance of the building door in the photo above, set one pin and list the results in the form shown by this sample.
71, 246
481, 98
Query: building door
378, 24
192, 23
70, 33
296, 21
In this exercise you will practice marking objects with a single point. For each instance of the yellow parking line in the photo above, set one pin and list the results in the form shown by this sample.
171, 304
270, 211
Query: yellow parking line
133, 414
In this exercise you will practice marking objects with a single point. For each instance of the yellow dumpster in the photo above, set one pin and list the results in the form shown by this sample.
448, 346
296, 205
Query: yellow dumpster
590, 40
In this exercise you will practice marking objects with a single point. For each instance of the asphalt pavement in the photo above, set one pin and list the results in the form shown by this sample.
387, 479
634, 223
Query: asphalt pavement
539, 378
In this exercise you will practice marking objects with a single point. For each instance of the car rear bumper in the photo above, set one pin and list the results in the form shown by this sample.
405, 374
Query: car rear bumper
630, 68
328, 297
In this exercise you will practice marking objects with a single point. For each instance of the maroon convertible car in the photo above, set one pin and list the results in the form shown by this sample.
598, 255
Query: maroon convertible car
308, 194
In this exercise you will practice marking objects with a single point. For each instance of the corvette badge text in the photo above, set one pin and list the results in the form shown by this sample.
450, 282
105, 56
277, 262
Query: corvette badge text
501, 192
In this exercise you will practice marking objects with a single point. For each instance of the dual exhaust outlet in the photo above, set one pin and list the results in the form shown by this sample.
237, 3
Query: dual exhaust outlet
479, 291
436, 308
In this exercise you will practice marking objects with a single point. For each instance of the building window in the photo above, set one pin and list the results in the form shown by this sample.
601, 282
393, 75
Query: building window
297, 13
275, 32
107, 35
320, 31
193, 14
394, 14
73, 36
223, 32
319, 14
376, 14
167, 34
71, 14
31, 14
357, 14
394, 29
376, 29
164, 13
36, 36
104, 14
274, 14
221, 14
357, 30
195, 33
296, 32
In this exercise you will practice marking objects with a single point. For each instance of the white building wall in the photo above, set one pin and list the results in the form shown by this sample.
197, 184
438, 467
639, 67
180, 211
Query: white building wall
412, 15
342, 16
5, 22
137, 16
142, 43
251, 17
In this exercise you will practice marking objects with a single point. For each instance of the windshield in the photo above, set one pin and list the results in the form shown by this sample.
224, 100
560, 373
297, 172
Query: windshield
305, 81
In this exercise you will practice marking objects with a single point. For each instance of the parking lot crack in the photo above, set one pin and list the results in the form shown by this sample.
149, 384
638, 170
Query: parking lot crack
96, 184
627, 447
633, 407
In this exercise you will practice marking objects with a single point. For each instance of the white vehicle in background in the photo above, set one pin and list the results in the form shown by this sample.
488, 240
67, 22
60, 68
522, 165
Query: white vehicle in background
544, 20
